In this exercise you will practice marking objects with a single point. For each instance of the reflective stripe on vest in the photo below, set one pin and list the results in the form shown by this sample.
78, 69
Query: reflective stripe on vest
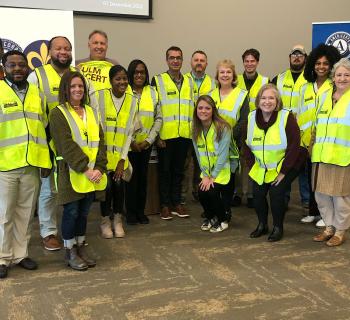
97, 71
176, 107
268, 148
86, 136
332, 143
208, 149
307, 109
253, 92
208, 85
49, 83
22, 129
230, 107
116, 125
146, 108
289, 90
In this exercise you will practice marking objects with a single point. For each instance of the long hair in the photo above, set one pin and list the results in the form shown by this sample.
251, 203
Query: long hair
131, 71
64, 89
331, 53
219, 123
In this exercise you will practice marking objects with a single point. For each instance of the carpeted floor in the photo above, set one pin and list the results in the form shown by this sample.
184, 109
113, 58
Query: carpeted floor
173, 270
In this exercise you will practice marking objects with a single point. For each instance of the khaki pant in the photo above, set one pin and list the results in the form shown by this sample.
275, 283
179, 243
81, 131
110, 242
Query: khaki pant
335, 211
18, 196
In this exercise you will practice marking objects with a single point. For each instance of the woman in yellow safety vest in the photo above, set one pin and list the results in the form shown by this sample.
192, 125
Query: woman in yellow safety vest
211, 136
233, 105
81, 163
273, 155
150, 121
331, 156
317, 72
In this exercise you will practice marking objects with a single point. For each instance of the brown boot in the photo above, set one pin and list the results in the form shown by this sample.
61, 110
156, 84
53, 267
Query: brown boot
74, 261
180, 211
118, 226
83, 255
165, 214
106, 228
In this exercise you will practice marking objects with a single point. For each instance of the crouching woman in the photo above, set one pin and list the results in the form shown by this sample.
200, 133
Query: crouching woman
211, 137
81, 161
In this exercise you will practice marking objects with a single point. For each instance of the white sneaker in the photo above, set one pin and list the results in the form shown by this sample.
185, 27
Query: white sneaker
320, 224
218, 227
206, 225
309, 219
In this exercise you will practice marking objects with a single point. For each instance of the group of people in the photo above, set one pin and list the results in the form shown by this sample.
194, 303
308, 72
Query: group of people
73, 135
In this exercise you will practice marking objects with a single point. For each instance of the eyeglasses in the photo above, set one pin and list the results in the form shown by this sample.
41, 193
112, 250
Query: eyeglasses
297, 55
172, 58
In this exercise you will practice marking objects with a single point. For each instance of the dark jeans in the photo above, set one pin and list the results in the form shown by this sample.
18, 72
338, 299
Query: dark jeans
313, 209
171, 170
74, 218
114, 202
277, 199
212, 202
228, 191
136, 188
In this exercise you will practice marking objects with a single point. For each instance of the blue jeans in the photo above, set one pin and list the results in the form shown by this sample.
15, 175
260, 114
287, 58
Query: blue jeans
74, 218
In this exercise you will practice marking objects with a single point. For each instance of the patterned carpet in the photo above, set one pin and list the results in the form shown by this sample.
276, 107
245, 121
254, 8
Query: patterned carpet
173, 270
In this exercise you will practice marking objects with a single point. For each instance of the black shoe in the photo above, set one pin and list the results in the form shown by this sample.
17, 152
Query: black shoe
250, 203
260, 230
276, 234
143, 219
131, 221
74, 261
236, 201
28, 264
3, 271
228, 215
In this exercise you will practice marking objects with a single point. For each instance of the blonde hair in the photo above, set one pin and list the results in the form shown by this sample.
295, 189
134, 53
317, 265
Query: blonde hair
344, 62
265, 87
227, 63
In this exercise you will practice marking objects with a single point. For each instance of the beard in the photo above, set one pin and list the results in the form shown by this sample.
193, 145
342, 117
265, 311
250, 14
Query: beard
61, 65
297, 67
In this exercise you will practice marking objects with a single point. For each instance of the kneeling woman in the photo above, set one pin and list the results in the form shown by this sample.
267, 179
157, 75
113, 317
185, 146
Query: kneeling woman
81, 160
211, 137
274, 157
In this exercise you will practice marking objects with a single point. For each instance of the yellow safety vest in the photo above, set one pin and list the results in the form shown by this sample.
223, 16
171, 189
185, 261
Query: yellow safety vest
332, 143
116, 125
253, 92
208, 150
145, 110
207, 86
22, 129
289, 90
176, 107
86, 136
268, 148
307, 110
97, 72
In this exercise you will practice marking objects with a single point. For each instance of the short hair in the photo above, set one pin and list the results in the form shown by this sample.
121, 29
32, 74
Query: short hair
200, 52
64, 88
63, 37
13, 53
114, 70
131, 71
275, 90
100, 32
172, 48
330, 52
344, 62
228, 64
253, 52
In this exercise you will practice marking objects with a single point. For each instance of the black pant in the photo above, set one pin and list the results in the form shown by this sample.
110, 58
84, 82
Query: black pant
212, 202
277, 199
114, 202
313, 209
171, 170
136, 188
228, 191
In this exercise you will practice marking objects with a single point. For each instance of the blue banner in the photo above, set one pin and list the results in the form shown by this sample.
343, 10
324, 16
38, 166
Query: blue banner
336, 34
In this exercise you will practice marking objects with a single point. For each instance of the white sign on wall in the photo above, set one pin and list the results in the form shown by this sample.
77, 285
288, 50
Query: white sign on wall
29, 30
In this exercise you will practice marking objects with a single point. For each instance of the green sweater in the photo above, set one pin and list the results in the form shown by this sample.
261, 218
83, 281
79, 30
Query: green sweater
73, 157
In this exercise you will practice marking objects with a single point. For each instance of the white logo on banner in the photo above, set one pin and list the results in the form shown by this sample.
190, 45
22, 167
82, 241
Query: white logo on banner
340, 40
